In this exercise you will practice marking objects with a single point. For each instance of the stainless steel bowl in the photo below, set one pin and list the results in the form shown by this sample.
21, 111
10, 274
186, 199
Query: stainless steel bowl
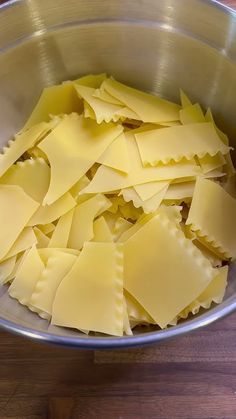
157, 46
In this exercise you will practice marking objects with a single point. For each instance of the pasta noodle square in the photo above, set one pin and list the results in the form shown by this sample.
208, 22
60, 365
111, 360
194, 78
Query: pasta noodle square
45, 289
12, 197
24, 283
212, 213
168, 287
76, 143
178, 142
83, 218
104, 291
32, 175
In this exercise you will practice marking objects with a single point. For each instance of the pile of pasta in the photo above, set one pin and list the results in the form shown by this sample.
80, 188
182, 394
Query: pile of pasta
117, 208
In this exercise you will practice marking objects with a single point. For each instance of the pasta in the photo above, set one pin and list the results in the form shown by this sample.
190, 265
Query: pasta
117, 208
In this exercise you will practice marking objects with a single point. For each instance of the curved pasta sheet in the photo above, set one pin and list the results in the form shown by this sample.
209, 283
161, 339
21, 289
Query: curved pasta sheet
24, 241
61, 233
91, 80
212, 213
42, 239
136, 312
126, 323
24, 283
32, 175
75, 144
82, 223
45, 289
104, 291
168, 287
12, 197
55, 100
214, 293
178, 142
150, 108
209, 163
22, 142
49, 213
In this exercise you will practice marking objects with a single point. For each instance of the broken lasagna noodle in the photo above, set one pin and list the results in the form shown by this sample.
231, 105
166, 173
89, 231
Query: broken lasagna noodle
117, 208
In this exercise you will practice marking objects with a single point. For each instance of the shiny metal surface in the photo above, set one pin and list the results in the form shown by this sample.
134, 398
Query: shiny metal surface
157, 46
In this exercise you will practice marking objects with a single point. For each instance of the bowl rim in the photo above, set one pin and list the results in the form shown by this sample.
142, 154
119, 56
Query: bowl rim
143, 339
89, 342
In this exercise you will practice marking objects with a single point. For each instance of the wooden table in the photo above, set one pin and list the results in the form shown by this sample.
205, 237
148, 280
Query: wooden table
189, 378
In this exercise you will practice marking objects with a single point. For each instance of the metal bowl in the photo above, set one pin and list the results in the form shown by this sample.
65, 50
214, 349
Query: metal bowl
157, 46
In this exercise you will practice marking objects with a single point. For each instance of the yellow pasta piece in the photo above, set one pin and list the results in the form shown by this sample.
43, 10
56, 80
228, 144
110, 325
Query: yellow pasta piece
180, 191
209, 118
214, 293
215, 260
49, 252
36, 153
148, 190
17, 147
91, 80
168, 287
191, 114
43, 295
27, 276
82, 223
81, 184
116, 202
121, 225
104, 111
19, 260
172, 212
136, 312
148, 107
55, 100
32, 175
126, 324
88, 111
128, 211
107, 179
6, 268
47, 228
49, 213
42, 239
61, 233
175, 143
24, 241
185, 101
229, 164
76, 143
212, 213
116, 155
12, 223
101, 231
209, 163
151, 204
106, 97
104, 291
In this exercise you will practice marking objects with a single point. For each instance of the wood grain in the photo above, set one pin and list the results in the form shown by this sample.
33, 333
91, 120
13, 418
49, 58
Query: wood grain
193, 377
